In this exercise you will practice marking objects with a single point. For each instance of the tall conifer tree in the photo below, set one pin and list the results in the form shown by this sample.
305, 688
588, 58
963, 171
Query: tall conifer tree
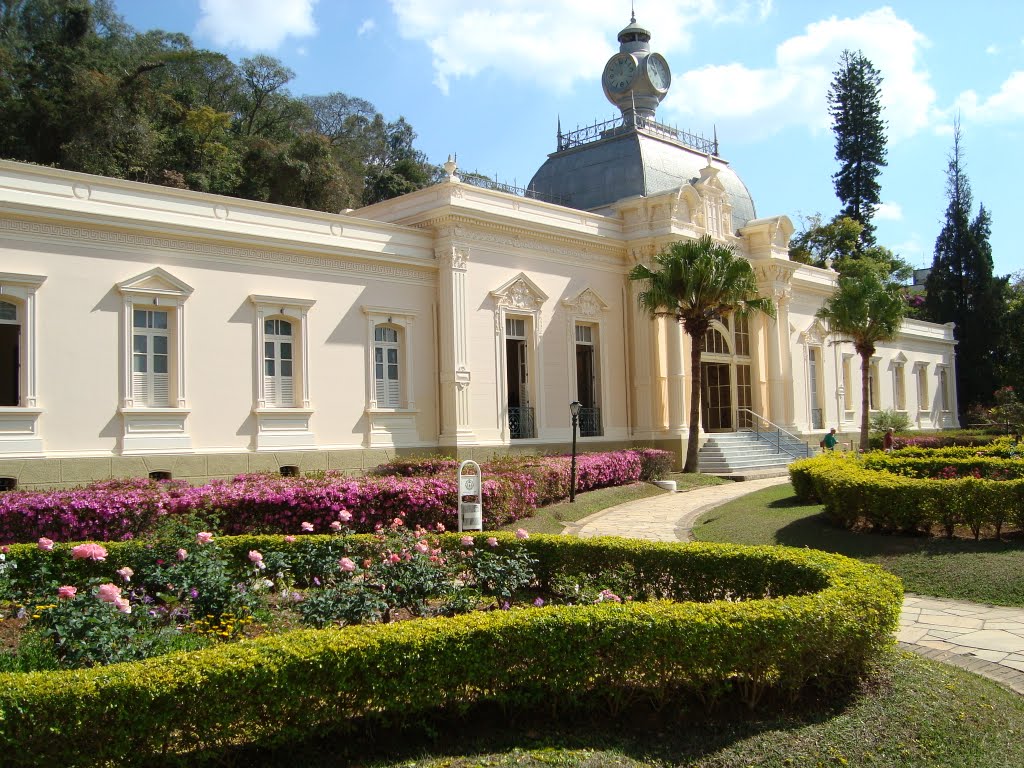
854, 102
962, 289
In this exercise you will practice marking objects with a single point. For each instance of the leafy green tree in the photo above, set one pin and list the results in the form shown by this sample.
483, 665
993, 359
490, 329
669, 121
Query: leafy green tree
865, 310
696, 282
962, 289
854, 102
837, 244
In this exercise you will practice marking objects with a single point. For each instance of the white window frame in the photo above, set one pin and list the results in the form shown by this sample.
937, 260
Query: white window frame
278, 389
520, 297
874, 385
19, 424
402, 321
849, 404
151, 388
148, 428
283, 427
945, 401
899, 386
156, 290
923, 405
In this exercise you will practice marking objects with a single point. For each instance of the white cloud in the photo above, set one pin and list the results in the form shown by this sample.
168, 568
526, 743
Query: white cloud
1006, 105
793, 92
255, 24
992, 50
550, 44
889, 212
366, 27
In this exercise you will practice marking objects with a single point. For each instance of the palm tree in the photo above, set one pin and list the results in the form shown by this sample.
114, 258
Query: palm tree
865, 310
698, 281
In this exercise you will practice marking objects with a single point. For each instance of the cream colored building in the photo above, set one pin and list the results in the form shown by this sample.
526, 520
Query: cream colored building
146, 329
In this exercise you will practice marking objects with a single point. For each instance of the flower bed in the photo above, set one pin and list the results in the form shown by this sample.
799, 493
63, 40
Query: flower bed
887, 494
758, 619
126, 509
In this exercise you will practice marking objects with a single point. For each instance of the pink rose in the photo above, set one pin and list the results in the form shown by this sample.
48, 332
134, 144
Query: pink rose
307, 527
345, 516
539, 602
255, 556
108, 593
397, 522
125, 573
491, 541
123, 605
66, 593
182, 554
4, 549
466, 541
335, 525
394, 558
522, 533
89, 552
440, 528
289, 539
346, 565
204, 537
45, 544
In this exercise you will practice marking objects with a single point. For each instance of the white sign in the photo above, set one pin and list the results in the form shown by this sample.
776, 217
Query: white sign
470, 511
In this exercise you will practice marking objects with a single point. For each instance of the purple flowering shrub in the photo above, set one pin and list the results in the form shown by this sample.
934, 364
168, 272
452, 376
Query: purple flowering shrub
269, 503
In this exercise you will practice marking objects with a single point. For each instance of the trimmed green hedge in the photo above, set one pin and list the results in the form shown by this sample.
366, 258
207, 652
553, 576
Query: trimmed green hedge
886, 494
824, 617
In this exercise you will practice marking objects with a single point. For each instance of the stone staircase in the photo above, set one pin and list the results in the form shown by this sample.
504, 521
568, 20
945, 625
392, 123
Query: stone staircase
732, 453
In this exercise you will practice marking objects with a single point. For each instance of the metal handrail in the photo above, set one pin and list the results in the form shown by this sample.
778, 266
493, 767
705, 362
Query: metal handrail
778, 432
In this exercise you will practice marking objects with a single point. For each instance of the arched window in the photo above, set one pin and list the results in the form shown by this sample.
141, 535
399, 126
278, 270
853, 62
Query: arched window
714, 342
386, 369
278, 363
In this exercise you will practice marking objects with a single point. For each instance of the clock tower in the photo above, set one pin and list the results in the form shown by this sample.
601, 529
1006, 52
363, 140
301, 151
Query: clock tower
634, 79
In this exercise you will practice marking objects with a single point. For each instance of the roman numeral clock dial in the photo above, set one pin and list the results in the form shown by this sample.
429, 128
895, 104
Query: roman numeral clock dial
619, 72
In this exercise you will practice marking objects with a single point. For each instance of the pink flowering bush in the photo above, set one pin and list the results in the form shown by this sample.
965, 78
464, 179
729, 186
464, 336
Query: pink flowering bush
268, 503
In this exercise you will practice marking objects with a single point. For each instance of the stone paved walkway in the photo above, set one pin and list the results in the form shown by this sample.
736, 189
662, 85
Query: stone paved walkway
985, 639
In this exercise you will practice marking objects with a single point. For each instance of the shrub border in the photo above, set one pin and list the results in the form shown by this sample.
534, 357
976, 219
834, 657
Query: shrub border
858, 495
282, 688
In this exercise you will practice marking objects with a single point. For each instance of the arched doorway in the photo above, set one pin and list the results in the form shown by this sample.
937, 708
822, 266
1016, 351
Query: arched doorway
726, 392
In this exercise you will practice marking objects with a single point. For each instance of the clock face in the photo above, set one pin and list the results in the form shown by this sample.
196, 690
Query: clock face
658, 72
619, 72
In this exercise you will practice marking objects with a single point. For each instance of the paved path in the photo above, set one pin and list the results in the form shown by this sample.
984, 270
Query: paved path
985, 639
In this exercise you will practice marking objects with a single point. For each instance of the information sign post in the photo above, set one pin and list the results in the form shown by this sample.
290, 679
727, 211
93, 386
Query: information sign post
471, 497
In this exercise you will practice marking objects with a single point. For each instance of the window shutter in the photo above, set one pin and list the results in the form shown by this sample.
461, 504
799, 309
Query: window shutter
140, 393
286, 396
393, 393
161, 390
270, 390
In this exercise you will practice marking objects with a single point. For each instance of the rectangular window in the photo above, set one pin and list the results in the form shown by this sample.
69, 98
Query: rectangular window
588, 381
517, 380
150, 358
944, 389
922, 388
515, 328
848, 401
899, 389
873, 394
742, 336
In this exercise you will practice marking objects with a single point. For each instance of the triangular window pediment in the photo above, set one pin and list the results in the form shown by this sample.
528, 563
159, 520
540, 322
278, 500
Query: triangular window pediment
520, 293
155, 282
815, 333
587, 302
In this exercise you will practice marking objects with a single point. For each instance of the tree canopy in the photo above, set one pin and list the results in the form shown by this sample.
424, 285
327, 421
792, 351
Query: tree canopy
82, 90
696, 282
854, 102
962, 289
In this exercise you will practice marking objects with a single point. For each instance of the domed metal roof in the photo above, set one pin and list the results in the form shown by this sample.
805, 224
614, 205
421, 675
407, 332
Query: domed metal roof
633, 162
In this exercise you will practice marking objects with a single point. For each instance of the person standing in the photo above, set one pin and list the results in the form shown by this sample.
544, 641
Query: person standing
888, 440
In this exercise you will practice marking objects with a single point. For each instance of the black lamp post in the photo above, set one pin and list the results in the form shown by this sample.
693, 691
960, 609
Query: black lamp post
574, 409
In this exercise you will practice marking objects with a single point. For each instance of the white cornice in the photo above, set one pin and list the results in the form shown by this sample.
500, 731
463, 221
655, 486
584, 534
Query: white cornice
167, 249
64, 197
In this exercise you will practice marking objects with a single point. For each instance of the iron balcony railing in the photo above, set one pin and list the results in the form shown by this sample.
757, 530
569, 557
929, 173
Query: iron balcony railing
590, 422
521, 423
774, 435
626, 123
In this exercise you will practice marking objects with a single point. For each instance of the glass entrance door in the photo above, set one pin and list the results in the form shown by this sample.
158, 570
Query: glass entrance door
716, 397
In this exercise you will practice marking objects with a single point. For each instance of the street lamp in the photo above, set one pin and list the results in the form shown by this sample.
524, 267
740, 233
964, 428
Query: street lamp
574, 409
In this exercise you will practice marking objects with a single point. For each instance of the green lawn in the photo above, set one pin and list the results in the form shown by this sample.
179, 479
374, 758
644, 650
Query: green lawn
963, 569
553, 518
912, 713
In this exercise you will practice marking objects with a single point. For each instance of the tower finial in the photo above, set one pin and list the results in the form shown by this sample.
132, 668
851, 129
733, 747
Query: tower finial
632, 13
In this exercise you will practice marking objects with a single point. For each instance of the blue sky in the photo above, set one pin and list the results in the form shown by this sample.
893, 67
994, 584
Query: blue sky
489, 80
